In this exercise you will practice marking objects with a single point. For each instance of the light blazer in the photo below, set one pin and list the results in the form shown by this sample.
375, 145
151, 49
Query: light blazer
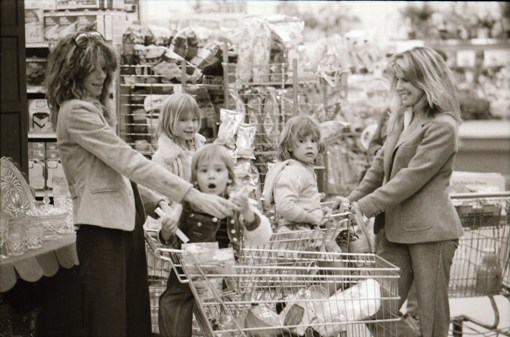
409, 181
98, 163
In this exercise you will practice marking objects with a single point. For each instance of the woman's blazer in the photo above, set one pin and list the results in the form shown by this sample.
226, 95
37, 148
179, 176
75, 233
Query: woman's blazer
409, 181
98, 166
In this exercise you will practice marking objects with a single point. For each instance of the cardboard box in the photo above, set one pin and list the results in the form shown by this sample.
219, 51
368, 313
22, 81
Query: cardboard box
34, 26
39, 114
86, 22
36, 174
36, 70
36, 150
476, 216
51, 27
78, 4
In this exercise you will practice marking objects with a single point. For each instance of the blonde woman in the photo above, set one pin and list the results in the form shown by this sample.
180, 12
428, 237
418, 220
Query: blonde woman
407, 185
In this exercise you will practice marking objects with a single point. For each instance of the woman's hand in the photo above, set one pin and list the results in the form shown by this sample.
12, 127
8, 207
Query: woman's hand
341, 203
210, 204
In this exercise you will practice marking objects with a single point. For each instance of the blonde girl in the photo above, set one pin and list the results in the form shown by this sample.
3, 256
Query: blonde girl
178, 137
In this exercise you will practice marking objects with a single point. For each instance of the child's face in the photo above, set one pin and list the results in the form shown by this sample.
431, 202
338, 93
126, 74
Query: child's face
212, 177
306, 149
186, 127
93, 83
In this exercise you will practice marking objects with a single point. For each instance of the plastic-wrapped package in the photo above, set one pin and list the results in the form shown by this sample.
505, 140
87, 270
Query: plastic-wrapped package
247, 175
230, 122
159, 36
314, 308
261, 52
185, 43
253, 50
271, 120
244, 141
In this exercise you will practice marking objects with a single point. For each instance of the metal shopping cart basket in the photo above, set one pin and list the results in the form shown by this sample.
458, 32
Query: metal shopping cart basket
480, 266
292, 293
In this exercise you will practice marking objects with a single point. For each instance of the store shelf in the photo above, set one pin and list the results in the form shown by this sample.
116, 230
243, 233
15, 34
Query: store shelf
38, 45
35, 89
51, 135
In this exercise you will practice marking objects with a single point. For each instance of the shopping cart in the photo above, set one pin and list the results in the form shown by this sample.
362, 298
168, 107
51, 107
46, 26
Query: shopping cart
480, 266
282, 292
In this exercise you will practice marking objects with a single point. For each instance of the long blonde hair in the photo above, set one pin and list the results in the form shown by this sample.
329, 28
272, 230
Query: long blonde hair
425, 69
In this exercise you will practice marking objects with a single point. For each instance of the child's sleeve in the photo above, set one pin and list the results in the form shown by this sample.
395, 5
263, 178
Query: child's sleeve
259, 231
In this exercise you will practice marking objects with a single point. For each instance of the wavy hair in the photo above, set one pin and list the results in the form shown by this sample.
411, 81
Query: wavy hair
425, 69
172, 109
69, 64
298, 127
211, 152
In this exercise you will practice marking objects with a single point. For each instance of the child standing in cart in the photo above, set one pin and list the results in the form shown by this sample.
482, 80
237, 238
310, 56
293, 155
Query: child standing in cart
212, 172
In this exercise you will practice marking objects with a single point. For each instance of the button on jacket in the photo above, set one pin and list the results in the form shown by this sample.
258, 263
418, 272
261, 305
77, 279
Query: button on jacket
409, 181
97, 162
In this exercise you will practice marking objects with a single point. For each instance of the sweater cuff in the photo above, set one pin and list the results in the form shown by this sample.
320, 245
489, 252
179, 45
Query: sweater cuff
254, 224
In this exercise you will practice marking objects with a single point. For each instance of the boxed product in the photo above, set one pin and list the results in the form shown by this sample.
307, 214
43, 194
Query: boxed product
78, 4
36, 150
51, 28
86, 22
34, 26
54, 167
67, 25
36, 173
39, 114
36, 70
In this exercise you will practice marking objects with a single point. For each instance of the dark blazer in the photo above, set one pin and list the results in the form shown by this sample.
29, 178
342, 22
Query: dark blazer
99, 166
409, 181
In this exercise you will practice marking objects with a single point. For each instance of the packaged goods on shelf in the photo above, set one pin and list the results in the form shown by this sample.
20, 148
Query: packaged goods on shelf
34, 25
36, 71
39, 116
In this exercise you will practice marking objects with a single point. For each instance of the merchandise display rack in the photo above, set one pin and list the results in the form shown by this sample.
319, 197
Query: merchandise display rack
274, 94
141, 91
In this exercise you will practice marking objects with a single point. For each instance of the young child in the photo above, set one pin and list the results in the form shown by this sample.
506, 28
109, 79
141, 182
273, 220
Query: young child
291, 184
212, 172
178, 139
179, 123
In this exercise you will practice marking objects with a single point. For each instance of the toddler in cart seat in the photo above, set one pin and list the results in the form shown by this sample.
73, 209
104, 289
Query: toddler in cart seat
291, 184
212, 172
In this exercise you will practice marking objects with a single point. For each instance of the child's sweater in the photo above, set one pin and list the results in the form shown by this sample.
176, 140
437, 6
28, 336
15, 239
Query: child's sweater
292, 186
176, 159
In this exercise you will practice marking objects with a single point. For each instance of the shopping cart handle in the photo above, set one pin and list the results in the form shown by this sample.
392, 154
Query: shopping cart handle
178, 232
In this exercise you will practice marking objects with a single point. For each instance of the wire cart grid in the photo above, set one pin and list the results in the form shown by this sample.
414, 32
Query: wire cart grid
299, 294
